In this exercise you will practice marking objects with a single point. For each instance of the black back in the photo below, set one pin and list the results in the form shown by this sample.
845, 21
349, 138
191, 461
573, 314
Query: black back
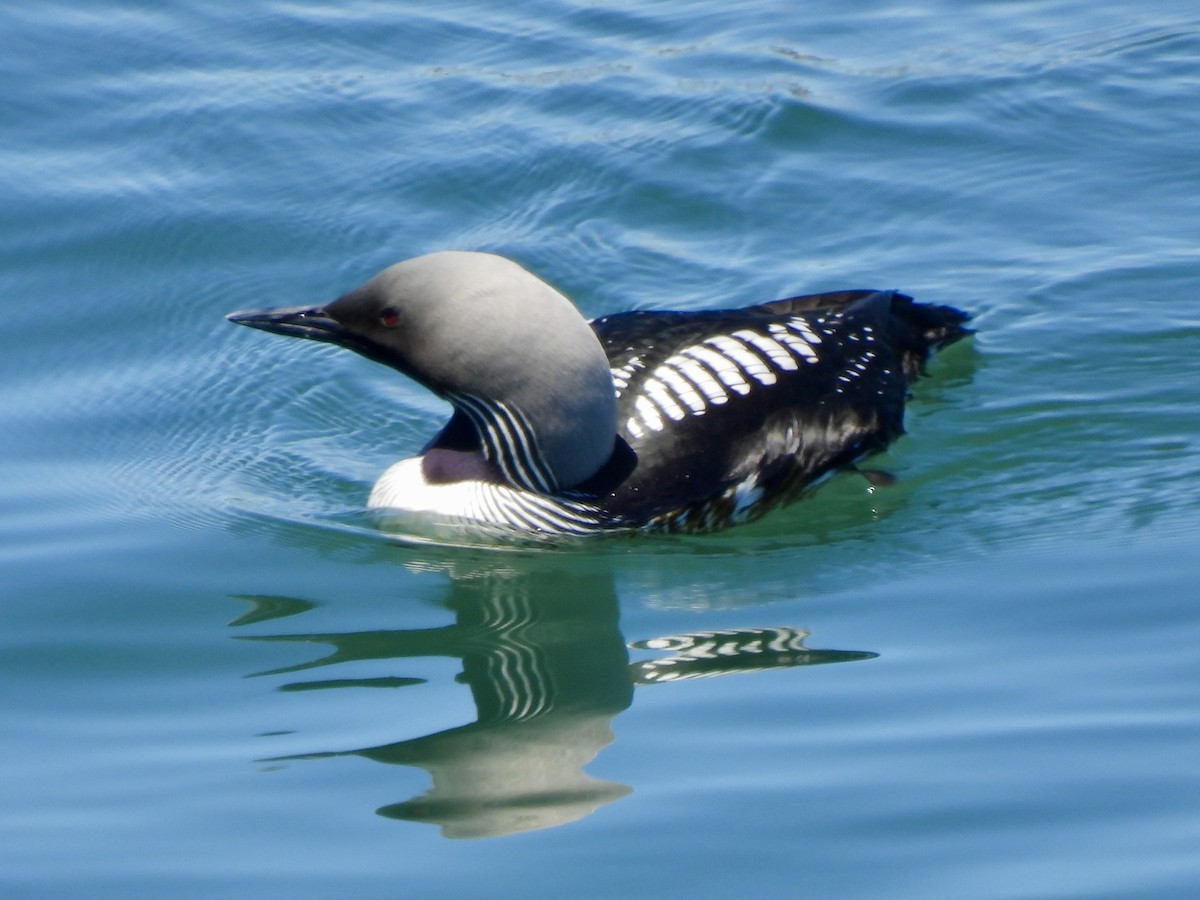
776, 431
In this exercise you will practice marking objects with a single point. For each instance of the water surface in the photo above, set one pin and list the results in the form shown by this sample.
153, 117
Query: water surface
221, 680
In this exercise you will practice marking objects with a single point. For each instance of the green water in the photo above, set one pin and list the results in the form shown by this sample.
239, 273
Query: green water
220, 680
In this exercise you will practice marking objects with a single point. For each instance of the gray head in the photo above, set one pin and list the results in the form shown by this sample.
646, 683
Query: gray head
503, 346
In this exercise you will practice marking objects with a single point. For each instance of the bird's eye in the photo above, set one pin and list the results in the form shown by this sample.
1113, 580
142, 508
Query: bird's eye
388, 317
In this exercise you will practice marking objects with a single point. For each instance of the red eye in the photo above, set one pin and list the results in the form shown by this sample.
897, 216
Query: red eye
389, 317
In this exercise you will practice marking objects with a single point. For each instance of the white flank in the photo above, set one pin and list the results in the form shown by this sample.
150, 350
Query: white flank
745, 496
403, 487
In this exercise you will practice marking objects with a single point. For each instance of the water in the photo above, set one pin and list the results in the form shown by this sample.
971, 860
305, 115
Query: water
219, 680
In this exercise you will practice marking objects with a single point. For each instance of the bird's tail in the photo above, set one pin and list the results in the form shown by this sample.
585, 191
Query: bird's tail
921, 328
915, 329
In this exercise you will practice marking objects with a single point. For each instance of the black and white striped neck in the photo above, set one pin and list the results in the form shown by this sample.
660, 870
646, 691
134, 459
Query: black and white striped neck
508, 442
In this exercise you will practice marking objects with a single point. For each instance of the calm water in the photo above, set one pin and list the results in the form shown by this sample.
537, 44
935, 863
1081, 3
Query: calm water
219, 680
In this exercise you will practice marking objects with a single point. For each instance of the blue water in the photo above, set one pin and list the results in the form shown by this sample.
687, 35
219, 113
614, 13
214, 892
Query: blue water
219, 680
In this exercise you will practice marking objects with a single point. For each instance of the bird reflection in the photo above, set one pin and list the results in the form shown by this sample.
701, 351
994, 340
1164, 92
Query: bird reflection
703, 654
548, 670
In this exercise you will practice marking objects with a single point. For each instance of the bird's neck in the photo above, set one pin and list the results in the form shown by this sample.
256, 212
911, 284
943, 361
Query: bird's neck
509, 442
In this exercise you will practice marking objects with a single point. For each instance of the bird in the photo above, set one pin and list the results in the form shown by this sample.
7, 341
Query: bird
671, 421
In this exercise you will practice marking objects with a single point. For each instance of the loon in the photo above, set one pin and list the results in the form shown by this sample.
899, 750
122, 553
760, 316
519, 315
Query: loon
681, 421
